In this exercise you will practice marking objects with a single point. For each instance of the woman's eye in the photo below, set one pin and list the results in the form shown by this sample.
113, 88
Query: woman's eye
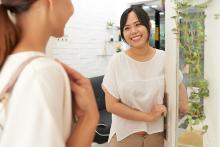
126, 28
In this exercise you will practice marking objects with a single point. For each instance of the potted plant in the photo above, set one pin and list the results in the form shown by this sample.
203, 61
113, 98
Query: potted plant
109, 25
189, 19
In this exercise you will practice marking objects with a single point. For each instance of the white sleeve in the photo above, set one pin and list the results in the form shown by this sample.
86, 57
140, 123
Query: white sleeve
110, 82
35, 111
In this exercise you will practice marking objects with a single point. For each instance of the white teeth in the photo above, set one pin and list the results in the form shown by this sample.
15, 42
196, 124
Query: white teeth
135, 38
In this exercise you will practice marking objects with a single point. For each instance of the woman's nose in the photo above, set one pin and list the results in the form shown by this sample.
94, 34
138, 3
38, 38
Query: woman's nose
133, 30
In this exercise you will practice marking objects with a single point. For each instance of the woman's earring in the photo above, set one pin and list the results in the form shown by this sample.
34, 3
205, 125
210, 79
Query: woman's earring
11, 16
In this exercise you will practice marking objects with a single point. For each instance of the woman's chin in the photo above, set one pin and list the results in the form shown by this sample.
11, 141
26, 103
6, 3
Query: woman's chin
58, 34
138, 45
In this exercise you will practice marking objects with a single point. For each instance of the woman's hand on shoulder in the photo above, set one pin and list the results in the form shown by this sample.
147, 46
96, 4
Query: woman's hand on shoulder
85, 102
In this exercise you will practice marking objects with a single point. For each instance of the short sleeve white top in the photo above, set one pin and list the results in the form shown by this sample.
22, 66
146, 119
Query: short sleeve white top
140, 85
38, 113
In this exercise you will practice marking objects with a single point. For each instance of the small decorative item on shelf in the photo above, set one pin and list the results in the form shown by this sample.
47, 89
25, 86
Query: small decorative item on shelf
111, 39
118, 47
110, 25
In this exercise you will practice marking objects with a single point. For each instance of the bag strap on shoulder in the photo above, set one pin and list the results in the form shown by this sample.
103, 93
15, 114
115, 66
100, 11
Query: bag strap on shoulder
4, 94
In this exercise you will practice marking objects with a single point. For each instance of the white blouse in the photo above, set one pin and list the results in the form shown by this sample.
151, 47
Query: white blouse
38, 113
140, 85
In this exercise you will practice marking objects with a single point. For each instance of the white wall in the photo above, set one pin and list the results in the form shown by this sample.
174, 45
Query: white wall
85, 35
212, 74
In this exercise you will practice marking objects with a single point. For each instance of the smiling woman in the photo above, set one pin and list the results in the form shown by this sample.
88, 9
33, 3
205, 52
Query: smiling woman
136, 99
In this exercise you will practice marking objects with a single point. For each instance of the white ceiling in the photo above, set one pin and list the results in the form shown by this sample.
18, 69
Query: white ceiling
158, 3
150, 3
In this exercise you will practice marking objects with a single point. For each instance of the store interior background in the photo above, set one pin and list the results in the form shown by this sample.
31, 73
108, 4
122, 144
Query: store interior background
85, 45
89, 43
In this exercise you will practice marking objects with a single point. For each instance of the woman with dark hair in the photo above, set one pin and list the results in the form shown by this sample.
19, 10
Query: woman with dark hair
35, 92
134, 86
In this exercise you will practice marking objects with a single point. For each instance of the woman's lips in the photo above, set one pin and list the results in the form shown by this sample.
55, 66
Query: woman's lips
136, 38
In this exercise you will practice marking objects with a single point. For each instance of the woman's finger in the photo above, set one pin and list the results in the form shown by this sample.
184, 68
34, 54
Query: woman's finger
75, 87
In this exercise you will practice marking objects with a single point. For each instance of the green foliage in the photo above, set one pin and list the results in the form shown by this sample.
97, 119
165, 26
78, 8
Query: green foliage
190, 32
205, 128
118, 50
110, 23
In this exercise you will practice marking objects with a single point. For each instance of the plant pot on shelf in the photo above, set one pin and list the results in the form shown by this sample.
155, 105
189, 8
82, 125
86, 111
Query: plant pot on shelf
192, 136
191, 139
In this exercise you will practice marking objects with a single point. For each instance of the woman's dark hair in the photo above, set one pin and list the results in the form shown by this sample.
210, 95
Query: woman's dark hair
141, 15
9, 32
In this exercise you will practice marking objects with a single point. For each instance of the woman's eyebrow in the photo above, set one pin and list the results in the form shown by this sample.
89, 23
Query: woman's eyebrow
132, 23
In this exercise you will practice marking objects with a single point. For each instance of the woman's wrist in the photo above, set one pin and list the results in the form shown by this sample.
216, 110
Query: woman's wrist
149, 117
85, 122
90, 118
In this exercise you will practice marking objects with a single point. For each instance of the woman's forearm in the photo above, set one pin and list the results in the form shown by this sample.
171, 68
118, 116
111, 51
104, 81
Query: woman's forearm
83, 132
183, 105
127, 112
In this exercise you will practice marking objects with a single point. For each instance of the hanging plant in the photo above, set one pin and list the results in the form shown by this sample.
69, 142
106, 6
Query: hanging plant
190, 31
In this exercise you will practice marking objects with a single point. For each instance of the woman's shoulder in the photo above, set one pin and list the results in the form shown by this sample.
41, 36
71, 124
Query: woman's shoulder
41, 67
46, 66
116, 58
44, 72
44, 62
39, 62
160, 54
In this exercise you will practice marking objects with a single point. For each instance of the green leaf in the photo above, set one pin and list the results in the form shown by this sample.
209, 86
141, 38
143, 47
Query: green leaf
205, 128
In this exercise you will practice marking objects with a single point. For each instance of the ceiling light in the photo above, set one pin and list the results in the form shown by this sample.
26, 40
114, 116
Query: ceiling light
145, 7
161, 13
154, 6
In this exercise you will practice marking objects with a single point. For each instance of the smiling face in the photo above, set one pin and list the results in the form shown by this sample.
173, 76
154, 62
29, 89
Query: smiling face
135, 33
